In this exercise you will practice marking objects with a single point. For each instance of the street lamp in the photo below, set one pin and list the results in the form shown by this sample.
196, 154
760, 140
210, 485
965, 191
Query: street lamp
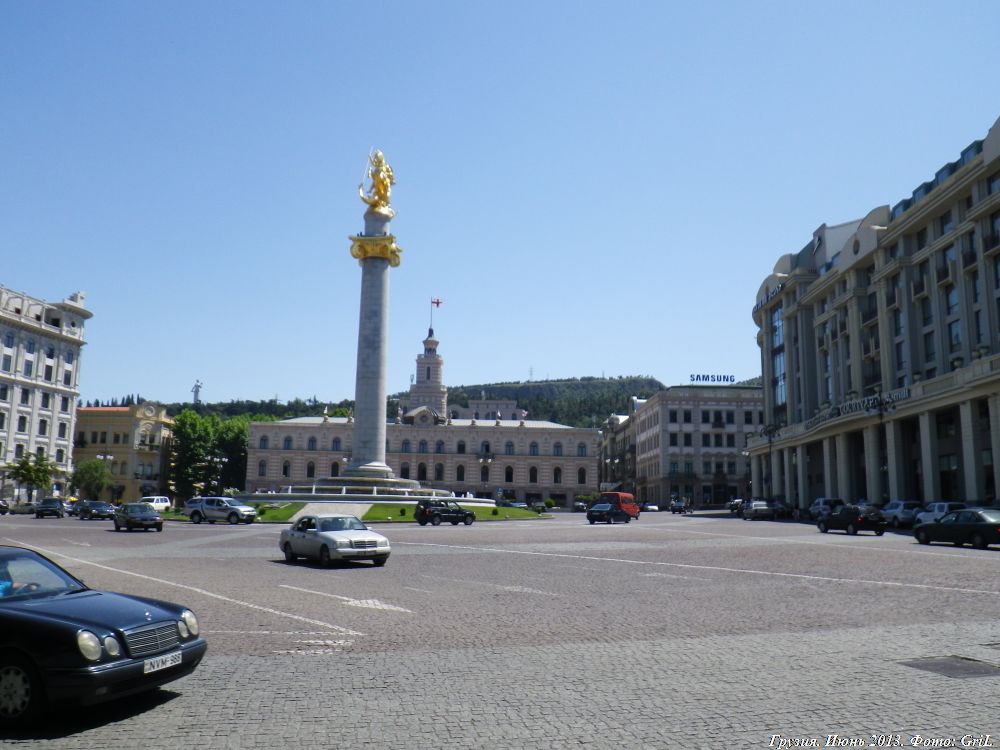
769, 431
484, 462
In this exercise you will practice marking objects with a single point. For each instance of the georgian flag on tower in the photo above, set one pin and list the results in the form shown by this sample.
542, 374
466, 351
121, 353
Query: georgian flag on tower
436, 302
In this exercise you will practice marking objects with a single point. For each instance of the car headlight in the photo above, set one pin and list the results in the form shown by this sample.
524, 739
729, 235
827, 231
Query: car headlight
89, 645
383, 542
112, 646
189, 623
340, 543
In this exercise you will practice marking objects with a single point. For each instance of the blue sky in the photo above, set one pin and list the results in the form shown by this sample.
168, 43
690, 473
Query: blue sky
591, 188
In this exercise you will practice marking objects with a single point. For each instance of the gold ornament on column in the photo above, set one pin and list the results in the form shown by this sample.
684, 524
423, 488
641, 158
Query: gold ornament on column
380, 173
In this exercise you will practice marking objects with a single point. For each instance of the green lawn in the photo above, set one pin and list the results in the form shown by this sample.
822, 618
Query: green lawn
386, 512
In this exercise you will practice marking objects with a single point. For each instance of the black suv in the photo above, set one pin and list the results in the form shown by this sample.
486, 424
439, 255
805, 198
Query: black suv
50, 506
436, 511
854, 518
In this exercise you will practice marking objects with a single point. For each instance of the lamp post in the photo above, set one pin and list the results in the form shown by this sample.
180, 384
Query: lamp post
107, 458
484, 462
769, 431
882, 405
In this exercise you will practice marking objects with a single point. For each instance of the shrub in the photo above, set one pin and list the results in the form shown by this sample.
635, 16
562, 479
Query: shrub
402, 512
496, 512
550, 503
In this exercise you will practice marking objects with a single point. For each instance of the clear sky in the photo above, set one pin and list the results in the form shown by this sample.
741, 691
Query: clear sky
591, 188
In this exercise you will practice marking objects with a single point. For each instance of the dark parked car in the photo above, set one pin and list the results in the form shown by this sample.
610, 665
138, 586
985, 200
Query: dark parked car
61, 642
979, 527
3, 507
680, 505
130, 516
607, 513
852, 519
89, 509
50, 506
436, 511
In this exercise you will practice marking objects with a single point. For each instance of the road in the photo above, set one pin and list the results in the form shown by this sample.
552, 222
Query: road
673, 631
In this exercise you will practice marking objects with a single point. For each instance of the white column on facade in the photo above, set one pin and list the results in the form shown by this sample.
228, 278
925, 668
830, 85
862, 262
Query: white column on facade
755, 477
778, 472
994, 403
828, 478
802, 476
929, 457
972, 469
788, 480
844, 488
894, 453
873, 474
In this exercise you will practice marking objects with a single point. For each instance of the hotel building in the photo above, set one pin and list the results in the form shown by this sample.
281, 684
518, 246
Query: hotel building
880, 348
40, 345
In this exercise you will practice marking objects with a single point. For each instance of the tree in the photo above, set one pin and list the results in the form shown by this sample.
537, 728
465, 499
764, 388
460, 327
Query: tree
91, 477
34, 472
192, 447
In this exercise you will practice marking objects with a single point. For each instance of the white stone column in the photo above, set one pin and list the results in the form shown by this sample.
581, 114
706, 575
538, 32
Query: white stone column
894, 453
873, 461
828, 477
777, 473
972, 471
994, 403
845, 489
801, 460
788, 482
756, 482
929, 457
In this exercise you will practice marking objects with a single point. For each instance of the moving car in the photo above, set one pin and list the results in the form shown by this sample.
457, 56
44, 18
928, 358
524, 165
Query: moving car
852, 519
214, 509
607, 513
901, 512
758, 509
979, 527
622, 501
934, 511
434, 511
579, 506
679, 505
50, 506
326, 538
89, 509
824, 506
3, 507
650, 507
137, 516
61, 642
160, 503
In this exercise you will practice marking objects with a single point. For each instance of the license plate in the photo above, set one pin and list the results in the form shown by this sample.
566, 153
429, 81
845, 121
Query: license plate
161, 662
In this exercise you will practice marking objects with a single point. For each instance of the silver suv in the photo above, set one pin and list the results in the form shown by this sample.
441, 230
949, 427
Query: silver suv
214, 509
901, 512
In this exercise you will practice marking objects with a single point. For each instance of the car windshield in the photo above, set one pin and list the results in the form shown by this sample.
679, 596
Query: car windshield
25, 575
137, 508
341, 524
601, 506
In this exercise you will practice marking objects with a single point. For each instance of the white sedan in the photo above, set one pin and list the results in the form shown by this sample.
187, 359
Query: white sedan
326, 538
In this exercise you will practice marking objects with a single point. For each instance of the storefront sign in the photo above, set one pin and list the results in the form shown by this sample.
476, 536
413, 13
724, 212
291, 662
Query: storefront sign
769, 296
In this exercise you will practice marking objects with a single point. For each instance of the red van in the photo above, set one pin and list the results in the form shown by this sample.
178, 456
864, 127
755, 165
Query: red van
623, 501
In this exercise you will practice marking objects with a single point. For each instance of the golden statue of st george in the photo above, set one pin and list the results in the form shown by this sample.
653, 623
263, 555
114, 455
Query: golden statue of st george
380, 173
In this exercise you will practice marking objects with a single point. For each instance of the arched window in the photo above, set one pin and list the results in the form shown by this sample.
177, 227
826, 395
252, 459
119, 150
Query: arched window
508, 474
533, 449
405, 447
404, 471
286, 469
335, 469
438, 472
335, 445
533, 475
439, 446
421, 472
287, 443
581, 476
311, 444
484, 473
557, 476
484, 447
459, 473
262, 468
581, 449
461, 446
59, 455
311, 470
508, 448
263, 442
422, 446
557, 449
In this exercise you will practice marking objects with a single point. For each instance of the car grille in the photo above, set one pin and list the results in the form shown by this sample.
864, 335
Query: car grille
152, 639
364, 544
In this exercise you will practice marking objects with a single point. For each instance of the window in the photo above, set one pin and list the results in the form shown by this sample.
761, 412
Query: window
706, 416
706, 440
687, 439
672, 439
335, 444
951, 297
335, 469
262, 468
459, 473
581, 450
955, 336
533, 475
4, 392
922, 239
461, 446
68, 378
718, 441
43, 427
484, 473
484, 447
898, 322
5, 363
69, 358
28, 364
730, 417
104, 438
672, 414
263, 442
557, 476
48, 373
311, 444
287, 443
730, 441
404, 471
533, 449
30, 347
404, 447
22, 424
581, 476
929, 350
945, 223
927, 311
439, 446
310, 470
508, 448
8, 340
557, 449
706, 467
438, 472
60, 456
748, 417
45, 400
64, 404
422, 446
687, 416
286, 469
992, 186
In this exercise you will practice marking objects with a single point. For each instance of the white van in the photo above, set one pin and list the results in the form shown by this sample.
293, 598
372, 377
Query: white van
159, 503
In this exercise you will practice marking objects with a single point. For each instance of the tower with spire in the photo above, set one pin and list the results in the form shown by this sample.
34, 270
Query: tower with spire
428, 389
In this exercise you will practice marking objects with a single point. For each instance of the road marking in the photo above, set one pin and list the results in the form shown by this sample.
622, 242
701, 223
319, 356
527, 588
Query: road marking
367, 603
78, 544
195, 589
501, 587
717, 568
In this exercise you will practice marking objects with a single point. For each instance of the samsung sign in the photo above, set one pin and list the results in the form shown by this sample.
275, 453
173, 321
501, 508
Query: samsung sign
713, 378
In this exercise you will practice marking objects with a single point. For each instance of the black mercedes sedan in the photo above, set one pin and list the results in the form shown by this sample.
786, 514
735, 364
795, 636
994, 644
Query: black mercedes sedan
130, 516
607, 513
61, 642
979, 527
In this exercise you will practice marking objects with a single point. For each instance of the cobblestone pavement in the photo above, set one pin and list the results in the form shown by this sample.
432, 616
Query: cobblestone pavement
683, 632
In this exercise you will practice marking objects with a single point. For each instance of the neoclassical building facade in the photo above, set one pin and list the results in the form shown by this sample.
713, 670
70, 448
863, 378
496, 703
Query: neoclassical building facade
490, 451
40, 346
880, 348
